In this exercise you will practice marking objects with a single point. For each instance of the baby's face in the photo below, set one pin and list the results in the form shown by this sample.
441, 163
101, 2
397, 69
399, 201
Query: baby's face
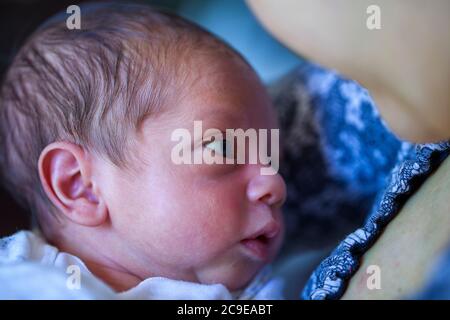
194, 221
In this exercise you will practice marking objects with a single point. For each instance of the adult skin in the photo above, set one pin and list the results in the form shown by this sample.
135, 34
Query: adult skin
406, 67
405, 64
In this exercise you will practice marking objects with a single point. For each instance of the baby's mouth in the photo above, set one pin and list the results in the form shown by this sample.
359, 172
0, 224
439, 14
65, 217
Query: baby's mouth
258, 247
259, 244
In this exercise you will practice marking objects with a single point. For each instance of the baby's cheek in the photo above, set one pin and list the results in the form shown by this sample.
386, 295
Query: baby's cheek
198, 241
201, 226
185, 238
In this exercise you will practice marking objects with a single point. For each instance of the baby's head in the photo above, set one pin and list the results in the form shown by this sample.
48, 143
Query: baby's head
87, 118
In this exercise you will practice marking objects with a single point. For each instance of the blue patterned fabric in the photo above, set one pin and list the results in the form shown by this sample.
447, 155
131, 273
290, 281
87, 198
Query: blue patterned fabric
338, 154
329, 279
341, 162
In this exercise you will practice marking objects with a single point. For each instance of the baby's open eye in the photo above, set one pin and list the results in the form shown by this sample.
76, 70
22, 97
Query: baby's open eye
223, 147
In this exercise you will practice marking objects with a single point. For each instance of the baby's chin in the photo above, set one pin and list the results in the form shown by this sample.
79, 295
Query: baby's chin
234, 276
236, 268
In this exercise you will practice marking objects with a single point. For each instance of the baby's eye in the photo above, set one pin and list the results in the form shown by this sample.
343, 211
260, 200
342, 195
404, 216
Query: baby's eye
222, 147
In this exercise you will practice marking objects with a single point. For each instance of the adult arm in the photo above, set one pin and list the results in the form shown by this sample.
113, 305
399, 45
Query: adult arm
405, 64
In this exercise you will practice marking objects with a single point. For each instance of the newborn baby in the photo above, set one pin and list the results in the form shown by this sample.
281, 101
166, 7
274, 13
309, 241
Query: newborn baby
87, 118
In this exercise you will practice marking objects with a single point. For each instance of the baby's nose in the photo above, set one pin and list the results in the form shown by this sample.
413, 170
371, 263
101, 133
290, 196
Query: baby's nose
269, 189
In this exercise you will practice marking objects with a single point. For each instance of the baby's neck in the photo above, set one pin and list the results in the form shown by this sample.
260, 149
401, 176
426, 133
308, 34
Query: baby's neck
118, 277
115, 277
117, 268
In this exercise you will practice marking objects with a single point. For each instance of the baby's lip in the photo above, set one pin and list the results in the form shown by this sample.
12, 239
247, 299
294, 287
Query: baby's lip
258, 248
259, 243
269, 231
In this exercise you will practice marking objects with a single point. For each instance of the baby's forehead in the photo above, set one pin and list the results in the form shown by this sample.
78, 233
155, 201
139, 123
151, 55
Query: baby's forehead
227, 96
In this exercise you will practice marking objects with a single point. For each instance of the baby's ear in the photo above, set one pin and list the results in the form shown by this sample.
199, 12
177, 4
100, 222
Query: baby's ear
65, 173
